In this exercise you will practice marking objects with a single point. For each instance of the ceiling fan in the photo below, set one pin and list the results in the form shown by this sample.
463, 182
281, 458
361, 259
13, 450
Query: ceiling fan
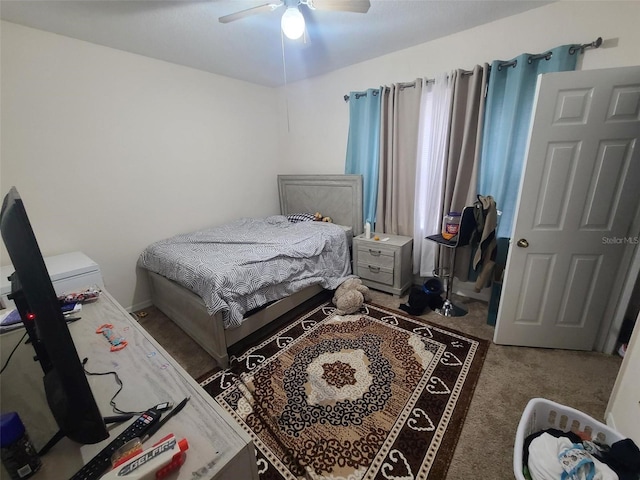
292, 21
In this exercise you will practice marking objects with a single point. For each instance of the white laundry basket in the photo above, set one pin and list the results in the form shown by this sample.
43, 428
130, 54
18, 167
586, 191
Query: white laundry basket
541, 414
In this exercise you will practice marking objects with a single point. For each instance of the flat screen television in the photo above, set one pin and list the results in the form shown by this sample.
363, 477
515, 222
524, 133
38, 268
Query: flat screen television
65, 384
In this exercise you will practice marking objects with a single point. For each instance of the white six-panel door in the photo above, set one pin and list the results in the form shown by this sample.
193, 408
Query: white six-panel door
579, 193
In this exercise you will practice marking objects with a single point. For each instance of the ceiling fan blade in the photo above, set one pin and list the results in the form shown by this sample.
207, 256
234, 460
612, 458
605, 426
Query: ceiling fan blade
357, 6
232, 17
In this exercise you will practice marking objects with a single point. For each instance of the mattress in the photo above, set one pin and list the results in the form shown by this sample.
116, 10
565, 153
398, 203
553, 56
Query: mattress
250, 262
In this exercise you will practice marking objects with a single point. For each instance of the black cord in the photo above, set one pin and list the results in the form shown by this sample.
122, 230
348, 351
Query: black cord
12, 352
118, 381
112, 402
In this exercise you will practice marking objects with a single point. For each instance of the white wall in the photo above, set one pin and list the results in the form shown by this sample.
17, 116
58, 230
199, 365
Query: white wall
111, 151
319, 117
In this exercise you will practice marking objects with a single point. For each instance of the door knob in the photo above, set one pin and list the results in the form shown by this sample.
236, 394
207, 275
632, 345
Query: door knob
522, 243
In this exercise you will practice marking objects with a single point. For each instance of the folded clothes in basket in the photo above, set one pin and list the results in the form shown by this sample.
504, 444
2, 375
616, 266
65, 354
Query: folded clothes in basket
556, 455
624, 458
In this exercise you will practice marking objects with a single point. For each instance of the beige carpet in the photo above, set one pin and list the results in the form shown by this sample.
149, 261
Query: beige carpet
510, 377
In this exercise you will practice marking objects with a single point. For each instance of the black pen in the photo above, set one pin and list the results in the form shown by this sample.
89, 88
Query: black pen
163, 420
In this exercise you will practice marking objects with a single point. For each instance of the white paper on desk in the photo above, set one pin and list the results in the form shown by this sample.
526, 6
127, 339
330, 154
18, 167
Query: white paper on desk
11, 327
76, 308
11, 318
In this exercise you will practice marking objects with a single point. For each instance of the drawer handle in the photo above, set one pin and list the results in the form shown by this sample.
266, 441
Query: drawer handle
375, 253
374, 269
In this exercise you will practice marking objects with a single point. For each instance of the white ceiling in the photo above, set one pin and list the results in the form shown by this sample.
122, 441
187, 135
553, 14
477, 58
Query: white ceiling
188, 32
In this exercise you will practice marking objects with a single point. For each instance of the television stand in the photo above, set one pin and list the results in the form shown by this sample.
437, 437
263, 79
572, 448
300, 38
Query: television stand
218, 447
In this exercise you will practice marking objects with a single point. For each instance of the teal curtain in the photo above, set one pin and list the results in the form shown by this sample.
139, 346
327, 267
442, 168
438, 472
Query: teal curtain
363, 146
507, 119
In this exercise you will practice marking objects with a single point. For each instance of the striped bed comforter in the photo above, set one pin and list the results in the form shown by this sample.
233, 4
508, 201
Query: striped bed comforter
250, 262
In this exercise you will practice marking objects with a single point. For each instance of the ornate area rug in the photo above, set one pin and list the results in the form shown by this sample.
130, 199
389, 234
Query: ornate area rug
374, 395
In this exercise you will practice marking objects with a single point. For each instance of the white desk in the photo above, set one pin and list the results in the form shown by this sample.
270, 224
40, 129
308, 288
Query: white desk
218, 447
69, 272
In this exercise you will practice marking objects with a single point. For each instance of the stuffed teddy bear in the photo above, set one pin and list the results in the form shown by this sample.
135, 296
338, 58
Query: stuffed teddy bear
318, 217
350, 296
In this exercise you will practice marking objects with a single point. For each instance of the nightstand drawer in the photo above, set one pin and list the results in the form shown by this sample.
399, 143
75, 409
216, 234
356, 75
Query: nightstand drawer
375, 273
376, 256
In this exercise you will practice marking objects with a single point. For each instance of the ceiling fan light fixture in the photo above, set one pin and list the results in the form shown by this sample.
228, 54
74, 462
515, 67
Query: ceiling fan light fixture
292, 23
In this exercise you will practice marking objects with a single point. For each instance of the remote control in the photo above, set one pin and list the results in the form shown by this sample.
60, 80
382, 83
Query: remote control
99, 464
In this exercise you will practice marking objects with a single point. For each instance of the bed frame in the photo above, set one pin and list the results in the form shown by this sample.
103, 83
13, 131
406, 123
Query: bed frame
336, 196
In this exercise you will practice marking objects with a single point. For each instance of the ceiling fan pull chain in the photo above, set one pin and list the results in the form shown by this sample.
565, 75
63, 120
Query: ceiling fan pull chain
284, 73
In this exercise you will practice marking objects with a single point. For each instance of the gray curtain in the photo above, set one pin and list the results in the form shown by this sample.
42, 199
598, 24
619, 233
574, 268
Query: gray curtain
399, 125
465, 145
465, 138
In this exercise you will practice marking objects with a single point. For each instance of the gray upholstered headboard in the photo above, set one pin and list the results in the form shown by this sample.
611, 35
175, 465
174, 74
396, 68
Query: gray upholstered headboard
335, 196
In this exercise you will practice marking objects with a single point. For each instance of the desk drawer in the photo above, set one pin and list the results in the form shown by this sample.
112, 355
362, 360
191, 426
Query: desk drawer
375, 256
375, 273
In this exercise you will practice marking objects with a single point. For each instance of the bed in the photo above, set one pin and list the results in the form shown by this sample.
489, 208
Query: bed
336, 196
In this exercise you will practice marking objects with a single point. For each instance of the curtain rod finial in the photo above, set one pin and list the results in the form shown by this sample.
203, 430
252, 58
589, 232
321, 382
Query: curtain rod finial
581, 48
346, 98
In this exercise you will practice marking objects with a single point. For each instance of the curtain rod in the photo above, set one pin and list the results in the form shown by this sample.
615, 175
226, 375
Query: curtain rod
573, 49
465, 73
595, 44
358, 95
402, 86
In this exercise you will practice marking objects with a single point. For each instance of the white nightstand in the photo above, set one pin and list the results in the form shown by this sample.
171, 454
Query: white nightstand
383, 264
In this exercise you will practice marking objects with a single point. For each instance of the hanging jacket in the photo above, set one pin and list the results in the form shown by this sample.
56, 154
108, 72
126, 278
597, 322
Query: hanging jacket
486, 216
